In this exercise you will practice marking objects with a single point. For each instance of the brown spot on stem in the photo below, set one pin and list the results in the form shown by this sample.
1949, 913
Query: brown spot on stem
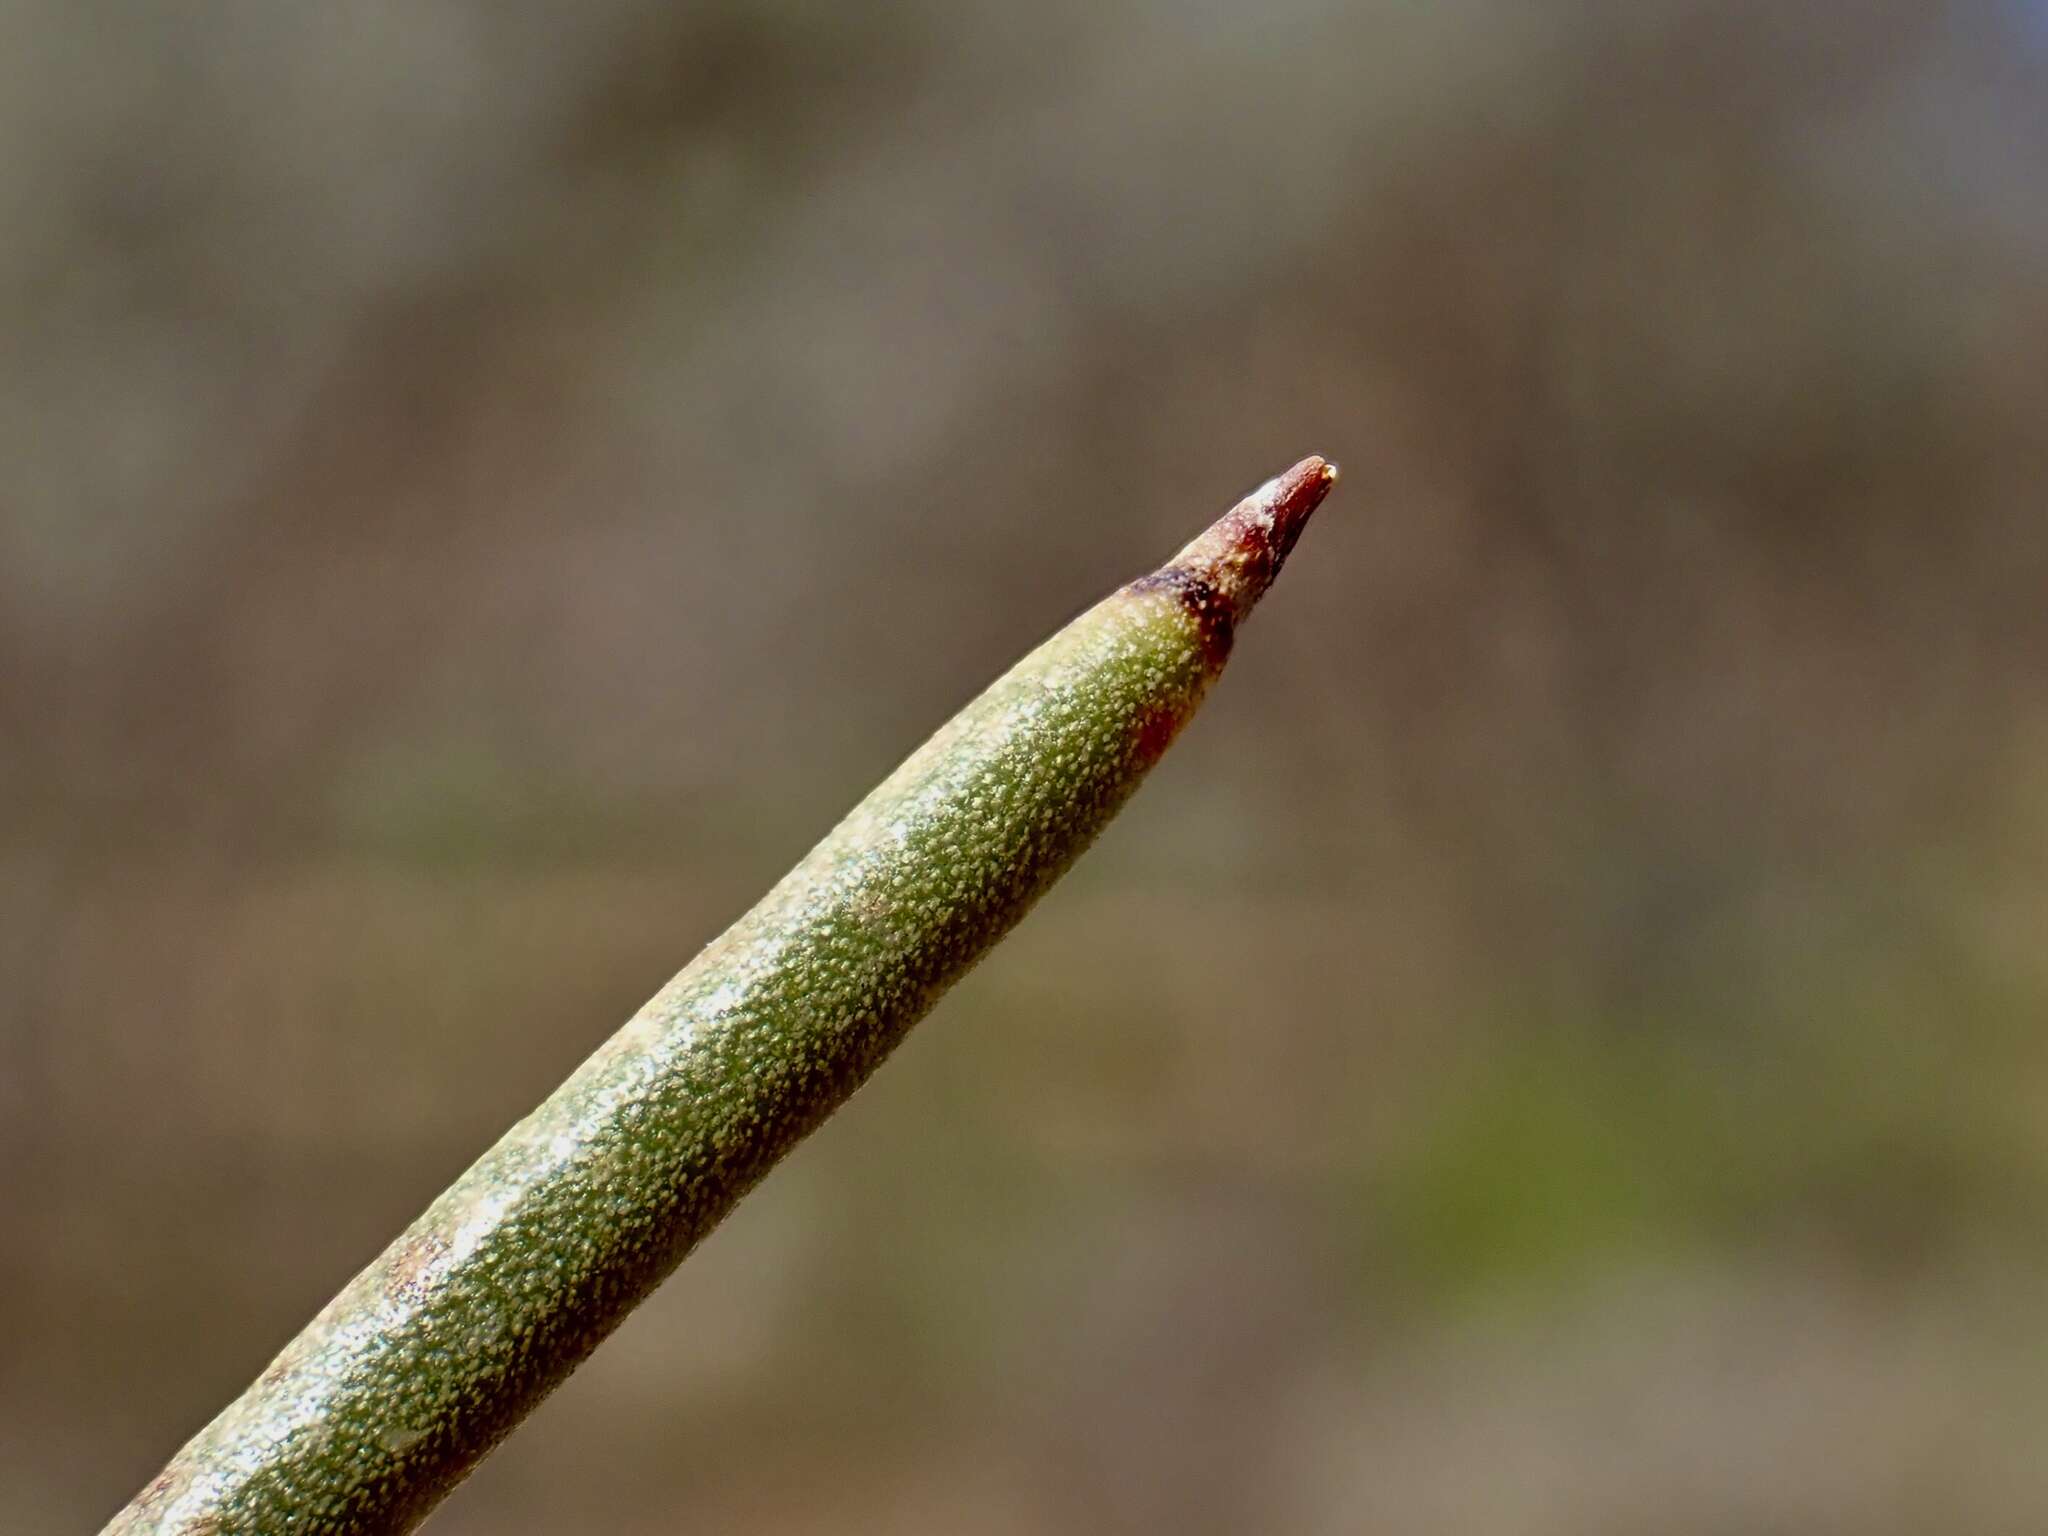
1221, 575
1156, 730
1241, 553
412, 1267
1200, 598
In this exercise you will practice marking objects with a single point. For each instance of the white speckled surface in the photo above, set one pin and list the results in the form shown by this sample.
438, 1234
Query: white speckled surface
437, 1349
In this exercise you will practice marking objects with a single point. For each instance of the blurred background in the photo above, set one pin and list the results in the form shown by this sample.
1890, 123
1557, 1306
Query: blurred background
484, 485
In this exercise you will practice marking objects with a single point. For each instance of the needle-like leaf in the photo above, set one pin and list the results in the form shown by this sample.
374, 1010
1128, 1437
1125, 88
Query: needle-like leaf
511, 1278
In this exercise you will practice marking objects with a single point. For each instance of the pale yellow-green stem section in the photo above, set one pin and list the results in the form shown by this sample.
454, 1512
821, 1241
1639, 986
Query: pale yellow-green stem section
436, 1350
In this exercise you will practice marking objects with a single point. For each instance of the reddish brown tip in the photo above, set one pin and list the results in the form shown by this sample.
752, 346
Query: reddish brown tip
1238, 557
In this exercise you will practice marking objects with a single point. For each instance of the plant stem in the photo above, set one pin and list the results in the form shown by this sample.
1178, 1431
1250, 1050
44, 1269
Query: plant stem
444, 1343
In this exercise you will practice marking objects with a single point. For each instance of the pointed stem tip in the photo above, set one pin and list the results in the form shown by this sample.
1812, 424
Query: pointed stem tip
1242, 552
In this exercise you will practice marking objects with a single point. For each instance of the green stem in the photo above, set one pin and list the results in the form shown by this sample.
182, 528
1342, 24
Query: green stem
435, 1352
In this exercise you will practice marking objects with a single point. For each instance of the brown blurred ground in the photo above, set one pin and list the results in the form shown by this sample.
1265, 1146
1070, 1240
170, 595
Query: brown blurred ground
482, 486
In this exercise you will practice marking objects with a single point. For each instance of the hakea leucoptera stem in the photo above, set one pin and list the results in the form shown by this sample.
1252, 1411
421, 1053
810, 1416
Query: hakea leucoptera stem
435, 1352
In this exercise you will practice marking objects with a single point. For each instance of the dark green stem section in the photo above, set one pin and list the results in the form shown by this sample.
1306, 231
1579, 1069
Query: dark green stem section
435, 1352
